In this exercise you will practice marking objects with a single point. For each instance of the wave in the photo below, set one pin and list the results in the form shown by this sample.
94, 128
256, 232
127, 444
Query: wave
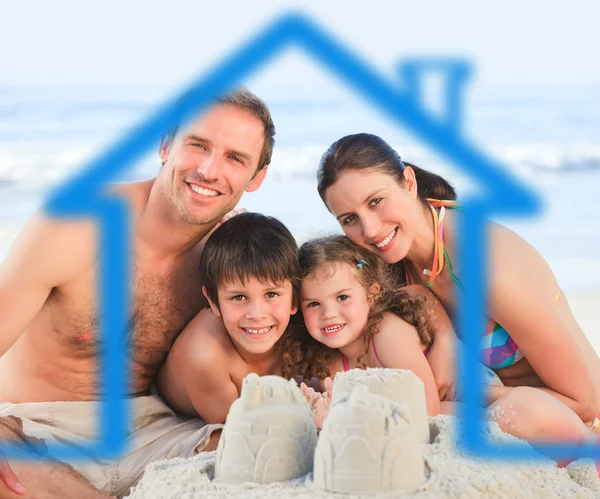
44, 163
46, 134
553, 158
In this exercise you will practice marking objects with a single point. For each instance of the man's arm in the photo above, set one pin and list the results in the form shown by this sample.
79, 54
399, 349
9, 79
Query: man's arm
46, 254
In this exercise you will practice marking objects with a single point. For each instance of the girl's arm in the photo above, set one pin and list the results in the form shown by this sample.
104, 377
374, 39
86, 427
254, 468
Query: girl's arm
319, 401
522, 288
399, 346
442, 356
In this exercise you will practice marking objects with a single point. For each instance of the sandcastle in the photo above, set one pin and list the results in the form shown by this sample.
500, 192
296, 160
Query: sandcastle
270, 434
370, 441
367, 445
398, 385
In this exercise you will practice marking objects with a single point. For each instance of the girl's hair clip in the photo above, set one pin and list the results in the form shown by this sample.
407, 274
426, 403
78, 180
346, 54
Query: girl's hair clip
361, 263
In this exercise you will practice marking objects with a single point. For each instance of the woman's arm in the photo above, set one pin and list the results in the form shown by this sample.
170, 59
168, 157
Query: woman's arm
522, 288
399, 346
442, 356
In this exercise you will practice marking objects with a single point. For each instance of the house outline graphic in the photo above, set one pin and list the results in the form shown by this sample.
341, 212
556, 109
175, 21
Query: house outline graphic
399, 100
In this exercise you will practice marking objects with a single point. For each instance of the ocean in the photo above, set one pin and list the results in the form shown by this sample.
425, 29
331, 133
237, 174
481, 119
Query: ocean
547, 137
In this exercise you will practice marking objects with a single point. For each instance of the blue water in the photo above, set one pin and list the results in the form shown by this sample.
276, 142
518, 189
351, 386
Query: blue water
546, 137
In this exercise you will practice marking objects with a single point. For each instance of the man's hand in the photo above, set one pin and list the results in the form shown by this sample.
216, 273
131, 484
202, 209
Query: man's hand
8, 477
232, 214
319, 403
226, 217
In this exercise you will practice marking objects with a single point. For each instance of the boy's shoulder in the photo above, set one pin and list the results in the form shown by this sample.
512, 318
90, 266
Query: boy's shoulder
205, 322
204, 336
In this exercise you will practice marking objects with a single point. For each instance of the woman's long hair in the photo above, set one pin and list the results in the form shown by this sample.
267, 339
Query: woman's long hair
364, 151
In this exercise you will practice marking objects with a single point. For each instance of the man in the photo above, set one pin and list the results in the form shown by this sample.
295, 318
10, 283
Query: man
49, 314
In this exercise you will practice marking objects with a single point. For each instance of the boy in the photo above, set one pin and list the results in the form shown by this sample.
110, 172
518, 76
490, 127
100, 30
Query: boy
249, 270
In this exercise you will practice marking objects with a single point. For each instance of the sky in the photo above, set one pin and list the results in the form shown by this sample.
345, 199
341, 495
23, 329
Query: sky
534, 45
167, 44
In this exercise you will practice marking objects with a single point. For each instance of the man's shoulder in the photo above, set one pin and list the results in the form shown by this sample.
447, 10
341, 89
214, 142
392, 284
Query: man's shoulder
135, 193
52, 250
45, 225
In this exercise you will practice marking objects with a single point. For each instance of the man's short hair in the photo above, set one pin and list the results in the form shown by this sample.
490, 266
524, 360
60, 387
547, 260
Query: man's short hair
242, 98
249, 245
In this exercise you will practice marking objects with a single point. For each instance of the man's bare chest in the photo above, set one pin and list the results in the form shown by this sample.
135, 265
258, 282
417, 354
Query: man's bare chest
164, 300
163, 304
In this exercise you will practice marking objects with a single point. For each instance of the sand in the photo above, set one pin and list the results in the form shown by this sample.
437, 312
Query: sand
585, 309
450, 472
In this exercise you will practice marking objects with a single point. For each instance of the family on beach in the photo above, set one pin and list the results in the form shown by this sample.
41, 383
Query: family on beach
219, 294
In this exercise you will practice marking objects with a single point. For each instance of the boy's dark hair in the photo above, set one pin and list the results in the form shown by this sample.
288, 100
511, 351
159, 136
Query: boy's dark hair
246, 246
251, 245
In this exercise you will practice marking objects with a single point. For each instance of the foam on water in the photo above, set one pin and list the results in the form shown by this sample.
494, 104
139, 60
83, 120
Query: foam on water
548, 141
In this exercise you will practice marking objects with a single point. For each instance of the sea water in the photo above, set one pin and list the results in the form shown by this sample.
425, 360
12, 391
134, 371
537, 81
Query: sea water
548, 138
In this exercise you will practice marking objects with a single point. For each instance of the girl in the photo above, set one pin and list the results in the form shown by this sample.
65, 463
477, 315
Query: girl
533, 342
357, 318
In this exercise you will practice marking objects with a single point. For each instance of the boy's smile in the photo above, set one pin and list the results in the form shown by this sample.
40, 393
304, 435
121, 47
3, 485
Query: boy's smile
255, 314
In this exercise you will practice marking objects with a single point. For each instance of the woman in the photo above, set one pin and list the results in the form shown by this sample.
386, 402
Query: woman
402, 213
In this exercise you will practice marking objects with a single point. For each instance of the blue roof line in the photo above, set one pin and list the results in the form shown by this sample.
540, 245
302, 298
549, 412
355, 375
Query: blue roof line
292, 29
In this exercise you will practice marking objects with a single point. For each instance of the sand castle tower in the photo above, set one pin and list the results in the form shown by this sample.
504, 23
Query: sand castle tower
398, 385
367, 446
270, 434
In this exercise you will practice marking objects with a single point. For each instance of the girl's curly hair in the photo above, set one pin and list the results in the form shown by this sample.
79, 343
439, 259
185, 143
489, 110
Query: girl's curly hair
292, 348
316, 258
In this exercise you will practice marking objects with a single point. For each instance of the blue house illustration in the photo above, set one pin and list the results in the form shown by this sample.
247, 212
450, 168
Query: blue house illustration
399, 100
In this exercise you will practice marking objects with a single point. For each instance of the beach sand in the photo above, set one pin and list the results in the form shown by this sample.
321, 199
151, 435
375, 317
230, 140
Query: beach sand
451, 475
586, 308
451, 472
